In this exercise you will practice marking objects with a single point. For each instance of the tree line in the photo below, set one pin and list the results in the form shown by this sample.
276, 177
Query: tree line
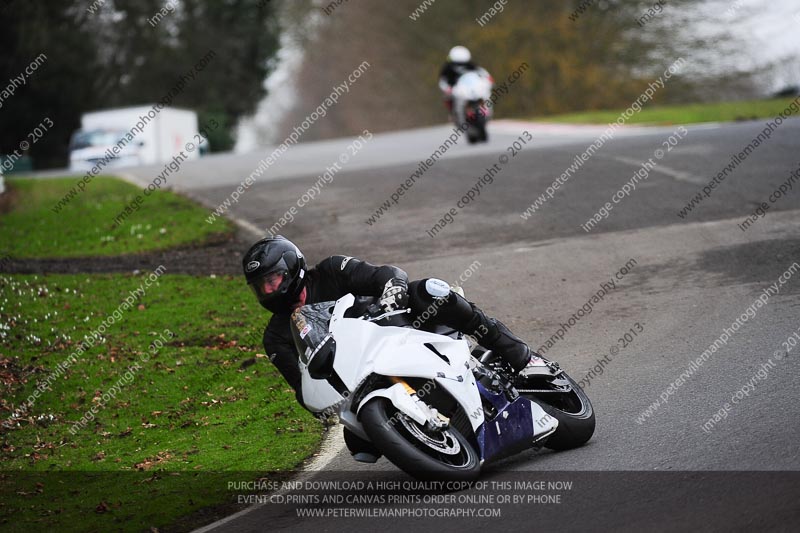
115, 53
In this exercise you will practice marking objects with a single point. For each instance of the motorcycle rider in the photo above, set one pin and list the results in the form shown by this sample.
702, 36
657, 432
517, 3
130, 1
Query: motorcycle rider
276, 270
459, 62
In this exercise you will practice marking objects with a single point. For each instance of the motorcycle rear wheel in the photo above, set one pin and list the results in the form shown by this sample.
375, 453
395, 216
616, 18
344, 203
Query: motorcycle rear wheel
445, 455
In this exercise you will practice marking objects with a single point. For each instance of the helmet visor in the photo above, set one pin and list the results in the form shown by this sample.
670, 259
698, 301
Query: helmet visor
270, 285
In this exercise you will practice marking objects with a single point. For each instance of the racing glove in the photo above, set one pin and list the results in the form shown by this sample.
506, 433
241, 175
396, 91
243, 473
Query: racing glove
395, 295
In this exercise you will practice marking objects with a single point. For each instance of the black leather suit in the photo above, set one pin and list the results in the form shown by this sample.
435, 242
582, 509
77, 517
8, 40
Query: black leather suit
338, 275
452, 71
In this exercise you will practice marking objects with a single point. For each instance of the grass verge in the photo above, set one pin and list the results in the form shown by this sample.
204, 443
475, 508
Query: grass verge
172, 424
86, 226
130, 402
682, 114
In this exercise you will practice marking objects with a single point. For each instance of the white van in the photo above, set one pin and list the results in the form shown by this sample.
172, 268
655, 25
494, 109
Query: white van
132, 136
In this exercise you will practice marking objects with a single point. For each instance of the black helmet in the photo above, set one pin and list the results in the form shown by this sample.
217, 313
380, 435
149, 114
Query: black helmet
276, 271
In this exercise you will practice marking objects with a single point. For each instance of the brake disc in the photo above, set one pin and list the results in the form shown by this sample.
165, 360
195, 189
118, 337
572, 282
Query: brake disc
447, 445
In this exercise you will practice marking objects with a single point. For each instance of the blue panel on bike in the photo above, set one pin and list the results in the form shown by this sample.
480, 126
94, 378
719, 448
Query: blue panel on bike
510, 430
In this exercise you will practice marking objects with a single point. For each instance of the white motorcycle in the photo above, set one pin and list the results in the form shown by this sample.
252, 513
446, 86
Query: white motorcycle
470, 94
433, 408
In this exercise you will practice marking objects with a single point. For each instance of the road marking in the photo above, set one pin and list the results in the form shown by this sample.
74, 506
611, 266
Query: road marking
247, 226
130, 178
332, 444
678, 175
705, 126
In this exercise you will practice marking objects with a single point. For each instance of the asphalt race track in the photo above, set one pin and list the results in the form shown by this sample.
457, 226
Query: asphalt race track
690, 278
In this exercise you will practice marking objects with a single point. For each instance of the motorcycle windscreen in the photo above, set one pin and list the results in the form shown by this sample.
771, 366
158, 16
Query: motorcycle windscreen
309, 325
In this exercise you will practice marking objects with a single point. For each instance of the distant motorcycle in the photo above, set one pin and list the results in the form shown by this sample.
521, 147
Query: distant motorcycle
470, 95
433, 408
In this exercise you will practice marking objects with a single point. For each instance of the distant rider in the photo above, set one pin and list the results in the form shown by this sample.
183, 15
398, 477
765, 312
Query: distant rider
459, 62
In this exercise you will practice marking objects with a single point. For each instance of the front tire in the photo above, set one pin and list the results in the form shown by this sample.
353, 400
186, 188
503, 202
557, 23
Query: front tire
445, 455
484, 135
573, 410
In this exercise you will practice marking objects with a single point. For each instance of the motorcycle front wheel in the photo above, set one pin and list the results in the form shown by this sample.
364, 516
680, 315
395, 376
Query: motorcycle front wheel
442, 455
564, 400
477, 132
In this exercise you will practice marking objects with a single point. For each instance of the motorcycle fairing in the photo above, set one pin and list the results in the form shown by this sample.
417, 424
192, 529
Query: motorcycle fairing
515, 426
407, 356
364, 348
399, 397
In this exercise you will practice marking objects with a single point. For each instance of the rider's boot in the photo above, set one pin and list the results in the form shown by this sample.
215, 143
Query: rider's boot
494, 335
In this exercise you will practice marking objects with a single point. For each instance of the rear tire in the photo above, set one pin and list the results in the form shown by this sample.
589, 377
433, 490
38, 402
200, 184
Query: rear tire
388, 429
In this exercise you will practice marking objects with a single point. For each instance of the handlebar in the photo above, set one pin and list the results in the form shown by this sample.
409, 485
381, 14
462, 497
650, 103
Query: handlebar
372, 309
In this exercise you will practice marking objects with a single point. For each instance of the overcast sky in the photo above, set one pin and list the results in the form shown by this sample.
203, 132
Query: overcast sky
766, 30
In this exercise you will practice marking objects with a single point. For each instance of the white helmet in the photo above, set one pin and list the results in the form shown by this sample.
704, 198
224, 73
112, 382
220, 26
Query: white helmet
459, 54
